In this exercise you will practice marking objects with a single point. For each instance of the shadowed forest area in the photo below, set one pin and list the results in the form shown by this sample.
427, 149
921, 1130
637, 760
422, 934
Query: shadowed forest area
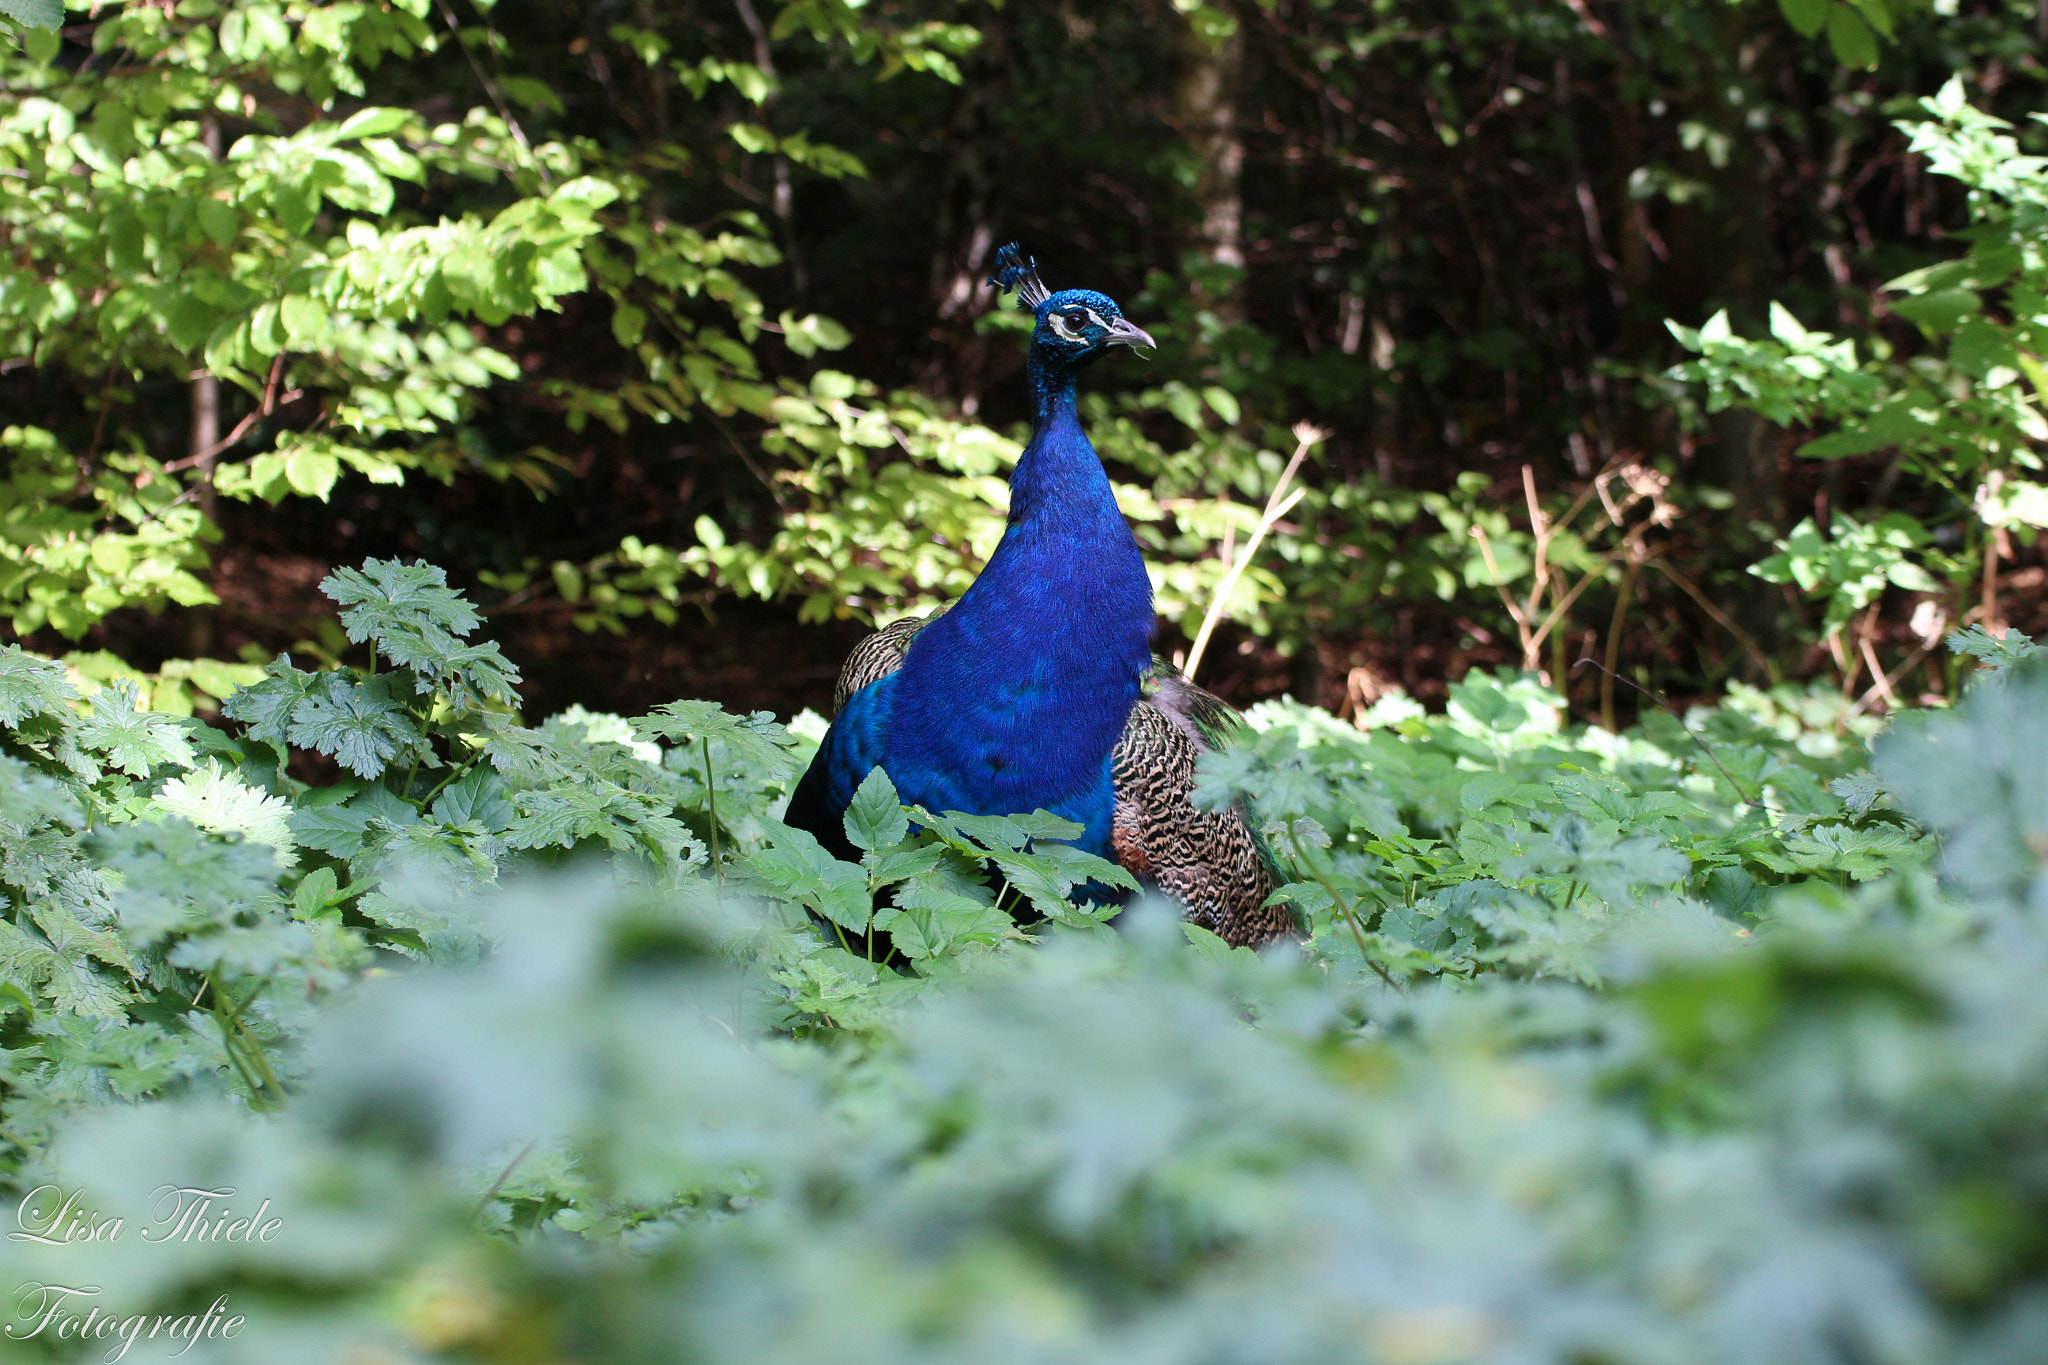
662, 328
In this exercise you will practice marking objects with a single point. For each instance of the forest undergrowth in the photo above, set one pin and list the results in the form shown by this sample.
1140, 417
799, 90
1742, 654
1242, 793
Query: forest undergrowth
1716, 1039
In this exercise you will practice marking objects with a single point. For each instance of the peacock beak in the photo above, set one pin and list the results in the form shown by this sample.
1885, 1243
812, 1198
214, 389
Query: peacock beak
1124, 332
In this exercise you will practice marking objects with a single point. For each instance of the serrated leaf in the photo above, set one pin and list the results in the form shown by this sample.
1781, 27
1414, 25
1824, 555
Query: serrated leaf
480, 798
134, 741
415, 620
175, 877
357, 724
266, 706
1997, 652
896, 864
73, 939
1859, 792
35, 860
69, 981
799, 867
754, 740
221, 802
34, 13
874, 818
31, 686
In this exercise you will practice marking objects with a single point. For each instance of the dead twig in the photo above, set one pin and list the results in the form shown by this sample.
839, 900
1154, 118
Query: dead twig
1277, 506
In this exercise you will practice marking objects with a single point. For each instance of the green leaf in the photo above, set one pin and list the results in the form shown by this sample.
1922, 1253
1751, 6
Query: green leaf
1805, 16
405, 600
31, 686
1207, 944
754, 741
373, 122
1859, 792
415, 620
1224, 403
68, 980
133, 741
1940, 310
1977, 776
480, 798
175, 878
565, 817
266, 706
874, 819
812, 333
357, 724
799, 867
223, 803
304, 319
311, 471
34, 13
582, 197
1997, 652
1850, 37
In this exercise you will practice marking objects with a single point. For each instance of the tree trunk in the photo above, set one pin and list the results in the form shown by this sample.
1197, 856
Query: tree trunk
201, 437
1205, 105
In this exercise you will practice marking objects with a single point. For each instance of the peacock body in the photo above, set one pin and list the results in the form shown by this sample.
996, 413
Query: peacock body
1037, 689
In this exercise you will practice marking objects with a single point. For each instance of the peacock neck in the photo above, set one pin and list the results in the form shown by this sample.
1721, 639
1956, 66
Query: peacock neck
1014, 698
1052, 389
1059, 476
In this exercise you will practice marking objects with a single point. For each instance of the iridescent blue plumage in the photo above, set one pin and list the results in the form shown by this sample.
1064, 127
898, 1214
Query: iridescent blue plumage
1037, 689
1015, 698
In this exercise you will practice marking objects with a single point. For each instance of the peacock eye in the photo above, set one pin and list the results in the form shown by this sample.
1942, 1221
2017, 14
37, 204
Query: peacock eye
1076, 321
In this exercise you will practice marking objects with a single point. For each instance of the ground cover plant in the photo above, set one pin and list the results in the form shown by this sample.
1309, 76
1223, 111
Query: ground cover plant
1710, 1040
379, 1020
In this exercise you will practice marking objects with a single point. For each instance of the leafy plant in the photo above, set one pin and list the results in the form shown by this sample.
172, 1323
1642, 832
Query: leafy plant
1586, 1019
1964, 414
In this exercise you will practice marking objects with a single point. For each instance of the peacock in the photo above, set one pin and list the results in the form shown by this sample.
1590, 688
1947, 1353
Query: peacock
1038, 688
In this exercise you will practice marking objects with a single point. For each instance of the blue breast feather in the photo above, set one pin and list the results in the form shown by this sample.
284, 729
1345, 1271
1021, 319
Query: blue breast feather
1014, 700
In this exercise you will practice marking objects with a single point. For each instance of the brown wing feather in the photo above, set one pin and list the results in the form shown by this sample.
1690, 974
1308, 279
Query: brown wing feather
878, 655
1209, 861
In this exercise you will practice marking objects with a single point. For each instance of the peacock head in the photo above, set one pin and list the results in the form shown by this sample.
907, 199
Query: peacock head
1075, 326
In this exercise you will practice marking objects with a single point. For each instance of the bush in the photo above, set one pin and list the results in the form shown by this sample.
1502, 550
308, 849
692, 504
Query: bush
1679, 1045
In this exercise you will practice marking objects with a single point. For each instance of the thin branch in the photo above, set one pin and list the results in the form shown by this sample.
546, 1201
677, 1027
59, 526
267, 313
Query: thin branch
1884, 683
1628, 583
1305, 437
1557, 612
99, 427
497, 97
1542, 531
505, 1175
1721, 618
268, 406
1705, 747
1507, 599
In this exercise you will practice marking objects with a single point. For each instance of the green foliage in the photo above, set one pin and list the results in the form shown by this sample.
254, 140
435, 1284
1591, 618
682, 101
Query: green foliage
1964, 414
1851, 566
1496, 838
1585, 1020
1998, 652
329, 270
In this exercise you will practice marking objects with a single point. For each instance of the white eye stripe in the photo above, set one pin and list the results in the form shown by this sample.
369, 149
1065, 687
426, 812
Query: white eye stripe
1067, 329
